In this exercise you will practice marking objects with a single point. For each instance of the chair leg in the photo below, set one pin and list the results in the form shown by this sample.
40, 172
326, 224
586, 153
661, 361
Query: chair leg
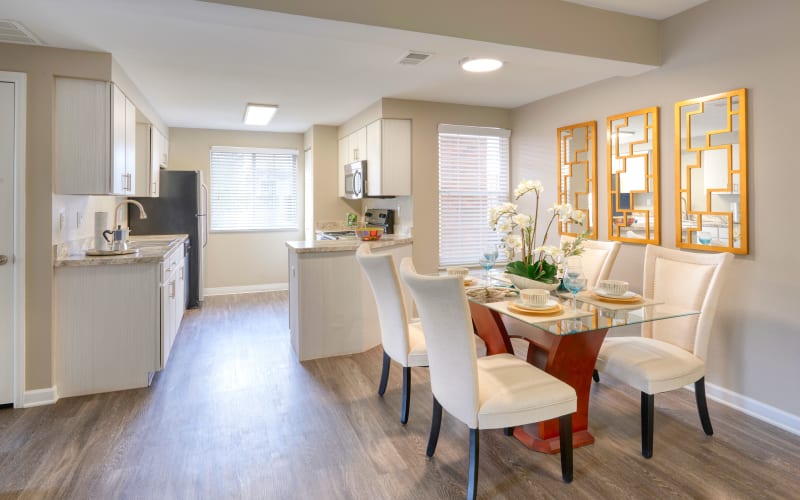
648, 410
508, 431
406, 395
472, 486
436, 423
702, 406
565, 441
387, 363
595, 376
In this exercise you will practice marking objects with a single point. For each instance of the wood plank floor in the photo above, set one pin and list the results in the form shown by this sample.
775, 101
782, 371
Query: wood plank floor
235, 416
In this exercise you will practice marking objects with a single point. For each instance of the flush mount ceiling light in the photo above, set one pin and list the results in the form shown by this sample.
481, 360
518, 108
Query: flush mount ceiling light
480, 65
259, 114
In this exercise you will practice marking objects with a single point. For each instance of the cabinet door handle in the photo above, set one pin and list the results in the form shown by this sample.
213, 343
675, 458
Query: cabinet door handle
172, 289
152, 188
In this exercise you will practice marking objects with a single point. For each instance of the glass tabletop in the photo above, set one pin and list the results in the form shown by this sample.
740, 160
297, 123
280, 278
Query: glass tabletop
591, 314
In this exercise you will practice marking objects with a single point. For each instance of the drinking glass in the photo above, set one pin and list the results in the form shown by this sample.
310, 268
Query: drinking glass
488, 258
704, 237
574, 280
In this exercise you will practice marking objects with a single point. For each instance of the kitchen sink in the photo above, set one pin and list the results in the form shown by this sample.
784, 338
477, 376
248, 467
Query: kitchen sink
152, 243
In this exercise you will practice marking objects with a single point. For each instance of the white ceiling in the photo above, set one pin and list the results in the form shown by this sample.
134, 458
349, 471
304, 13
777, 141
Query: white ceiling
199, 63
653, 9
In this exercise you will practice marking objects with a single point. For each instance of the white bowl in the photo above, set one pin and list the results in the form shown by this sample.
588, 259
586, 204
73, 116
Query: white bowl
614, 287
534, 296
522, 282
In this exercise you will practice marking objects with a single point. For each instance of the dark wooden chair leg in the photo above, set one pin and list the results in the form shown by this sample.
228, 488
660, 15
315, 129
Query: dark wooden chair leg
387, 363
648, 411
406, 394
436, 423
472, 486
508, 431
595, 376
702, 406
565, 440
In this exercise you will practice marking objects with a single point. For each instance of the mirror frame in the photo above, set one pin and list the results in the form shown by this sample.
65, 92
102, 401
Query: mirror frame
652, 165
741, 111
591, 148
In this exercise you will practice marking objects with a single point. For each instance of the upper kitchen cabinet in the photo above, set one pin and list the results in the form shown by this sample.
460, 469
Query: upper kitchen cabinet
386, 146
95, 138
389, 158
151, 156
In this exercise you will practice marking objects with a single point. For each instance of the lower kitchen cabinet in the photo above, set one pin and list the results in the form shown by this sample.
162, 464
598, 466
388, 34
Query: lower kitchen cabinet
115, 324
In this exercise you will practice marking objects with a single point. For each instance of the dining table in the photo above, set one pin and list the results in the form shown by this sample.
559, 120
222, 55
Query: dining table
563, 341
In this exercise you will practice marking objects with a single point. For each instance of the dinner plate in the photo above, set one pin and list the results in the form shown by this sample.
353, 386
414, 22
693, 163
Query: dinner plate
624, 298
552, 307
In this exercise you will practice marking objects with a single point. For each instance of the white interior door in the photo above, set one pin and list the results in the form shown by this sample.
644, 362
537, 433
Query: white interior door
6, 242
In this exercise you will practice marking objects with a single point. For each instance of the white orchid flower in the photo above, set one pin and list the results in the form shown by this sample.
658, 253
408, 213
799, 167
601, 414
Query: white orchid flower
514, 241
549, 250
578, 216
505, 227
522, 220
527, 186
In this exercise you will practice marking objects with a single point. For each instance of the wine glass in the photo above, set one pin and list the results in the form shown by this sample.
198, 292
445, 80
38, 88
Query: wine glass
704, 237
488, 258
574, 280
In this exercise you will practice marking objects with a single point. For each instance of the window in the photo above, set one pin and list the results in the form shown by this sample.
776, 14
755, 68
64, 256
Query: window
473, 176
253, 189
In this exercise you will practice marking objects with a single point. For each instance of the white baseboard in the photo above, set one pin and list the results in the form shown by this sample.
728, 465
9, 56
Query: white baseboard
757, 409
40, 397
232, 290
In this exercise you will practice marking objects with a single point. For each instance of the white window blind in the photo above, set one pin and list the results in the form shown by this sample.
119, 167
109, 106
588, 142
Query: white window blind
253, 189
473, 176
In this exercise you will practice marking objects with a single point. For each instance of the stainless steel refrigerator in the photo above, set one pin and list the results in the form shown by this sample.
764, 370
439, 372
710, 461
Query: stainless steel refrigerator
181, 208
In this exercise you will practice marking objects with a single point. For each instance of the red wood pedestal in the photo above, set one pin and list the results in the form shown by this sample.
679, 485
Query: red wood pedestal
569, 358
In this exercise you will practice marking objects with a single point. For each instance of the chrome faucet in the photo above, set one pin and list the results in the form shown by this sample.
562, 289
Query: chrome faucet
142, 213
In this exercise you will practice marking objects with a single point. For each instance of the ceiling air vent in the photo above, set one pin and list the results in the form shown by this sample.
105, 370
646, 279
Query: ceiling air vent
413, 57
15, 32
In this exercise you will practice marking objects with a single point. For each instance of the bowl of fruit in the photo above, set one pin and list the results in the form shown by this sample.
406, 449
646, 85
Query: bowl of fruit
369, 233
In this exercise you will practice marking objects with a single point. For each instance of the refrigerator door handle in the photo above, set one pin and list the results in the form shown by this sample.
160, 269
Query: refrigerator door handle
204, 202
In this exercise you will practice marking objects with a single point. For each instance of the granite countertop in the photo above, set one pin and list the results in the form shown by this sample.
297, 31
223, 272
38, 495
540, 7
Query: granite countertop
150, 251
321, 246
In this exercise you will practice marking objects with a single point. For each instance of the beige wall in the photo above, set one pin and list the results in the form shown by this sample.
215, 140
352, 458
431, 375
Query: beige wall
42, 64
718, 46
425, 119
239, 259
328, 206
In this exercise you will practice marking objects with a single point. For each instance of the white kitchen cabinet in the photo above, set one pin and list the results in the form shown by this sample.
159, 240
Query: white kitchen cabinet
389, 158
151, 157
95, 138
115, 324
386, 146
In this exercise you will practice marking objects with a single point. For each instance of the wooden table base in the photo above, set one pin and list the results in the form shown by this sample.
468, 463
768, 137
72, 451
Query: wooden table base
570, 358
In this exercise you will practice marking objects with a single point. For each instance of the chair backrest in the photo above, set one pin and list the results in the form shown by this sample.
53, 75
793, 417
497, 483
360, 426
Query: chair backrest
597, 258
382, 277
447, 324
686, 279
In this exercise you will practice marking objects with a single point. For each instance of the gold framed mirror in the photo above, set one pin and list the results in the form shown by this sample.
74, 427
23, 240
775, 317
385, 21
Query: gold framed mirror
711, 172
633, 185
577, 175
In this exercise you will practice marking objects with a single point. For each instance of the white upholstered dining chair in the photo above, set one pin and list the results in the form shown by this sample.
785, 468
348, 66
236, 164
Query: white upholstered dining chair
670, 354
597, 258
498, 391
403, 340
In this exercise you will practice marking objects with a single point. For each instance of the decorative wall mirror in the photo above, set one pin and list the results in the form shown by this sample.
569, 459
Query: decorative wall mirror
711, 172
577, 175
633, 187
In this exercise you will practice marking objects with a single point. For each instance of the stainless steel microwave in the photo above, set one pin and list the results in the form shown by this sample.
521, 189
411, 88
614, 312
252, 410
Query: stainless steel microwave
355, 180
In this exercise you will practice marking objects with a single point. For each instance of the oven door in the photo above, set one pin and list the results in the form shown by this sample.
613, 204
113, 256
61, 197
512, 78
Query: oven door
354, 180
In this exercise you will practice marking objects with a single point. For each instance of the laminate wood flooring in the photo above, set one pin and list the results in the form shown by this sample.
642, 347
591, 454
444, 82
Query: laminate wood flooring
234, 415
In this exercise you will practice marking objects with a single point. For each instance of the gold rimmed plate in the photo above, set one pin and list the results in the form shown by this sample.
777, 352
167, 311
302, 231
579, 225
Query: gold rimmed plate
627, 298
520, 309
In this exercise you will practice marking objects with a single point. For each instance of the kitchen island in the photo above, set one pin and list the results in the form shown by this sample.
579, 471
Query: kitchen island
332, 310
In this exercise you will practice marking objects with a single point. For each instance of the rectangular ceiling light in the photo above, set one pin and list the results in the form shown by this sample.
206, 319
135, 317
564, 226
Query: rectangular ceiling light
259, 114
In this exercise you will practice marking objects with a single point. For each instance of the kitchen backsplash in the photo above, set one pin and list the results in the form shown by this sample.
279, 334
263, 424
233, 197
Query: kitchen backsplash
73, 220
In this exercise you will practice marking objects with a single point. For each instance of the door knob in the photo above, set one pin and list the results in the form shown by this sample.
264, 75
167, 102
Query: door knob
3, 259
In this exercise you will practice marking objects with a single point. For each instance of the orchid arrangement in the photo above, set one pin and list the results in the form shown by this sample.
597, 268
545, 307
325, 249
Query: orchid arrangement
520, 230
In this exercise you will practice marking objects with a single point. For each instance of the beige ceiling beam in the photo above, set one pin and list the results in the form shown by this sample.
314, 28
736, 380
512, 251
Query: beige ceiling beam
552, 25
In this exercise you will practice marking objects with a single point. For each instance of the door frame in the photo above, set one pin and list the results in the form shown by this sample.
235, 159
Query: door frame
18, 295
